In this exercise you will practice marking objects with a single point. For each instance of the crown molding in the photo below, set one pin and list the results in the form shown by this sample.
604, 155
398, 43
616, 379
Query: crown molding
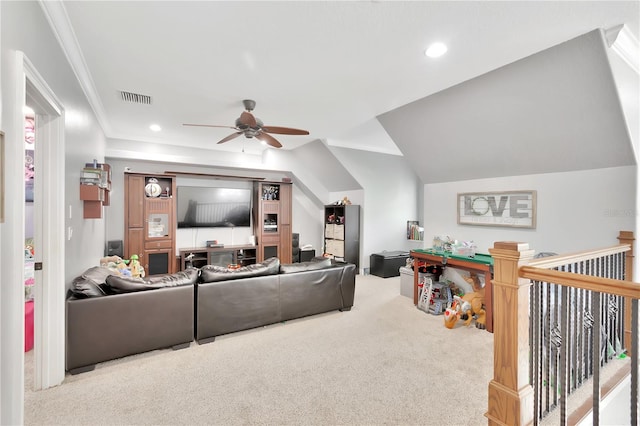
625, 44
56, 14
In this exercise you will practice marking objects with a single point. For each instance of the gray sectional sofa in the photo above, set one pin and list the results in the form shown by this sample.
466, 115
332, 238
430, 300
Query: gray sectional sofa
109, 316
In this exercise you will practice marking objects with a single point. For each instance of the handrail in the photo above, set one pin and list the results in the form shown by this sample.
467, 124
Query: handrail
581, 281
565, 259
510, 393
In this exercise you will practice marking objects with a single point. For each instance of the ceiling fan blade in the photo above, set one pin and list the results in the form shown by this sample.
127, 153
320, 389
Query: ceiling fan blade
269, 139
247, 119
231, 136
284, 130
208, 125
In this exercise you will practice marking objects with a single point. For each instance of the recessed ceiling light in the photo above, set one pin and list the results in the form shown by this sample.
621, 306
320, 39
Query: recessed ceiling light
436, 50
155, 128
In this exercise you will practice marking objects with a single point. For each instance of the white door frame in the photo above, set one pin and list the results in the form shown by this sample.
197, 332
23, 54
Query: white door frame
22, 82
49, 221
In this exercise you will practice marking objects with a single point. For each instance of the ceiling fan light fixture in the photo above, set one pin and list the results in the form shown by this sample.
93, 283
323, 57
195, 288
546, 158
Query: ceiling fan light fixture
435, 50
251, 127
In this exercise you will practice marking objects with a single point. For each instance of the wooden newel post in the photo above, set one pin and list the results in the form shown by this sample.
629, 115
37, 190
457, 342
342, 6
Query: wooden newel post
626, 237
510, 399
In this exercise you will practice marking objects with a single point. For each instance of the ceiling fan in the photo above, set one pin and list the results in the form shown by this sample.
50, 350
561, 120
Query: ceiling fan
252, 127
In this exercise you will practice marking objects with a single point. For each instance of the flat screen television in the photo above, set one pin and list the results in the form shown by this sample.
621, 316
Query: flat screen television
208, 207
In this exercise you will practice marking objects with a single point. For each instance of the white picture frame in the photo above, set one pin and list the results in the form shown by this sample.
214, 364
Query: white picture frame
514, 209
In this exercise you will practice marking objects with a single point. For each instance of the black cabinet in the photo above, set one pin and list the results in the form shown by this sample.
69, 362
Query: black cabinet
387, 264
342, 232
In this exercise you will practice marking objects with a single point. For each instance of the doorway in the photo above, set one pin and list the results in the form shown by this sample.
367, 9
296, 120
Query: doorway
49, 288
22, 85
29, 241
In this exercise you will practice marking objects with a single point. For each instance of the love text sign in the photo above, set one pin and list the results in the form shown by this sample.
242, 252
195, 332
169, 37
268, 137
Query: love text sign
509, 208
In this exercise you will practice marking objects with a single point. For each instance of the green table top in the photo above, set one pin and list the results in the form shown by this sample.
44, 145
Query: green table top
483, 258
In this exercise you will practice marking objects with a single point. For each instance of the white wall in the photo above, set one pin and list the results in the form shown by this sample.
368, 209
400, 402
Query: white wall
307, 220
575, 210
25, 28
389, 200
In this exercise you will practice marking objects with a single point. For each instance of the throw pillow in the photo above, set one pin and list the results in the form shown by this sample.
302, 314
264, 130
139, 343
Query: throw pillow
120, 284
213, 273
90, 283
311, 265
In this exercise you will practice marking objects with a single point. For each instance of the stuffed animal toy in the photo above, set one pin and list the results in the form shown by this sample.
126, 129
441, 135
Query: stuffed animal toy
105, 261
136, 269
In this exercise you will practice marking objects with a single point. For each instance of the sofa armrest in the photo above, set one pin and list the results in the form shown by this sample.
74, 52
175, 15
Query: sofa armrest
348, 286
105, 328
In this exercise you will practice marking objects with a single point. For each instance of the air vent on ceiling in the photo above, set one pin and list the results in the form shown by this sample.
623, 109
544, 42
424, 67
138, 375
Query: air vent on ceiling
136, 98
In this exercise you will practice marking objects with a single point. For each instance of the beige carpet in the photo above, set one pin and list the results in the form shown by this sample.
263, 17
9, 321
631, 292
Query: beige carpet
383, 363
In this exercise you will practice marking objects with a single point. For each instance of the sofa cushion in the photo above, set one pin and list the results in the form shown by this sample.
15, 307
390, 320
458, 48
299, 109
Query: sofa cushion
213, 273
117, 284
311, 265
90, 283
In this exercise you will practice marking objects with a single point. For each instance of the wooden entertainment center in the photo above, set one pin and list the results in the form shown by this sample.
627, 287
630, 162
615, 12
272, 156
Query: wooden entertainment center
151, 225
241, 255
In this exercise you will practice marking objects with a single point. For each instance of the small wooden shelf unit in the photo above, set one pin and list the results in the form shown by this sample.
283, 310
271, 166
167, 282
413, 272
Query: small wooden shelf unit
241, 255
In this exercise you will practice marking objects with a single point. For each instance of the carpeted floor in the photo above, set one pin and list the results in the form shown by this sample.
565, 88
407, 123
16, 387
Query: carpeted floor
384, 362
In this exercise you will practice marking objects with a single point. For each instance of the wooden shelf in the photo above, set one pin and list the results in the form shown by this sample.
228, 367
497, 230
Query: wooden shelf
97, 194
342, 232
150, 224
242, 255
272, 220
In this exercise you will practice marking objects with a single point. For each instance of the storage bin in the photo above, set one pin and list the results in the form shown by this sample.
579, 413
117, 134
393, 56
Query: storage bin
387, 264
406, 280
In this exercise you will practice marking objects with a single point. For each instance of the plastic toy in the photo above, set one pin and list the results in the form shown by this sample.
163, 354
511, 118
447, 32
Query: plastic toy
451, 316
468, 308
471, 306
136, 269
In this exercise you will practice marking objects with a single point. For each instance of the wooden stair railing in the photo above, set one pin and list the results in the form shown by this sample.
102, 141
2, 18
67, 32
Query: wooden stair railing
510, 394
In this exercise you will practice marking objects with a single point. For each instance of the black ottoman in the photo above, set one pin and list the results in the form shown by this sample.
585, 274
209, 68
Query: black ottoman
387, 264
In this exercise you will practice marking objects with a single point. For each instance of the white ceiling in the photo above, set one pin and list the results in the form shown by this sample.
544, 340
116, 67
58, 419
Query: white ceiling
327, 67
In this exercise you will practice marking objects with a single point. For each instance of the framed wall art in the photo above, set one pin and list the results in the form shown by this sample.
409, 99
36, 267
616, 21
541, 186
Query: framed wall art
515, 209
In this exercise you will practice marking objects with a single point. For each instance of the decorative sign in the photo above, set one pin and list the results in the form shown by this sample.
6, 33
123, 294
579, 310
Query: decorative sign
510, 208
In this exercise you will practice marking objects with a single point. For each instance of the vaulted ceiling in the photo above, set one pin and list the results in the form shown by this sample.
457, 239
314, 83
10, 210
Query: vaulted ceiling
353, 74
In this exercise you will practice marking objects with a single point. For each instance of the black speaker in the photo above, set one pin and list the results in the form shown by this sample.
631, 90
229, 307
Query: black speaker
114, 248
